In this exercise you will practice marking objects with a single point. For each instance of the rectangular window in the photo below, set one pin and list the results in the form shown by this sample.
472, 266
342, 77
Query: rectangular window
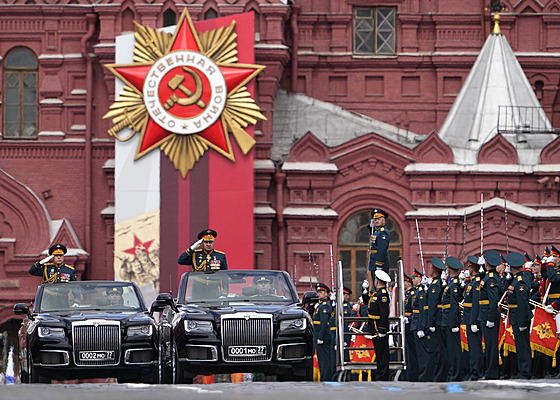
375, 30
20, 105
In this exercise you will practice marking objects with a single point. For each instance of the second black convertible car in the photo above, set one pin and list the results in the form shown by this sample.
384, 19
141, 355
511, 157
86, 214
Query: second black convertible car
237, 321
88, 329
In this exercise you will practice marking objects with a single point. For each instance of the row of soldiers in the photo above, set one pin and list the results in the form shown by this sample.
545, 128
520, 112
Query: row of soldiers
477, 298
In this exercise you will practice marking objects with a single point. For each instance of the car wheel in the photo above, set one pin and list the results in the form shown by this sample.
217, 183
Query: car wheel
34, 373
167, 362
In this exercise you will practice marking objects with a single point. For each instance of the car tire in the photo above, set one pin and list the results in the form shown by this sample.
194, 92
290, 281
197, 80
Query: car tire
23, 375
167, 359
34, 373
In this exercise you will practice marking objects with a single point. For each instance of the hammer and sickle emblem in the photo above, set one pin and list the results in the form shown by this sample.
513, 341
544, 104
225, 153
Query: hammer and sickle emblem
192, 98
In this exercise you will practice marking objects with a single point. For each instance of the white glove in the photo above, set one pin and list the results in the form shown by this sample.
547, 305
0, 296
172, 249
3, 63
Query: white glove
425, 280
444, 277
489, 324
528, 265
522, 328
420, 334
432, 329
382, 335
467, 273
549, 309
481, 260
455, 330
365, 286
319, 341
406, 321
196, 244
474, 328
46, 259
333, 296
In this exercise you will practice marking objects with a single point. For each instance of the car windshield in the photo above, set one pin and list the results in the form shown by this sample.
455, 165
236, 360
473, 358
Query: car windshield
80, 296
233, 286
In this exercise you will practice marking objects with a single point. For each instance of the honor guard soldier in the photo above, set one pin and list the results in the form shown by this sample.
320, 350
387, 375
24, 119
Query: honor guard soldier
348, 312
55, 271
205, 259
378, 323
451, 318
412, 371
489, 314
379, 243
470, 320
519, 313
436, 343
418, 326
322, 333
552, 286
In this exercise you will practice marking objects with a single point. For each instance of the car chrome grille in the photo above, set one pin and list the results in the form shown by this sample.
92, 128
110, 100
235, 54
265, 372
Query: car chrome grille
248, 332
98, 340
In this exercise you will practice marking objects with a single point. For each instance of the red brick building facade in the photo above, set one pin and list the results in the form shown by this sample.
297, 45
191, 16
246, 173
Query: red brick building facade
382, 74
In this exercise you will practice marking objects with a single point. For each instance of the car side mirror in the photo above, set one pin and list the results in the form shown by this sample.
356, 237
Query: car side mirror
162, 301
310, 298
23, 309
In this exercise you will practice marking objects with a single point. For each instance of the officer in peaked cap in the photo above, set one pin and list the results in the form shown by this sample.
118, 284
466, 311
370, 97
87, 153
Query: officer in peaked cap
520, 315
489, 314
417, 326
114, 295
55, 270
378, 323
451, 318
412, 371
436, 347
470, 319
379, 243
207, 258
322, 338
348, 312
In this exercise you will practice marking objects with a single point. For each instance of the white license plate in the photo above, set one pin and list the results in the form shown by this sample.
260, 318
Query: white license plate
96, 355
247, 350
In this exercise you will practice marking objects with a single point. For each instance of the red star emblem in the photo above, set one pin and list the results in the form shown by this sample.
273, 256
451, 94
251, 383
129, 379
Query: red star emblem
185, 39
138, 244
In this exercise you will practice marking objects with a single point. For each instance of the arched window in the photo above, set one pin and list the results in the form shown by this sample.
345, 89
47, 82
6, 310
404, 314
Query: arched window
169, 17
127, 20
20, 94
211, 14
539, 85
353, 245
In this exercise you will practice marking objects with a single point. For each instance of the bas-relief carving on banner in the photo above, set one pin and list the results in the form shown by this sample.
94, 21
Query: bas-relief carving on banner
137, 253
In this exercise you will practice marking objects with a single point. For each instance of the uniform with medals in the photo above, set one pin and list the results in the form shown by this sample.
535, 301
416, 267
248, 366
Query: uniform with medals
436, 344
379, 244
378, 324
520, 315
489, 314
451, 319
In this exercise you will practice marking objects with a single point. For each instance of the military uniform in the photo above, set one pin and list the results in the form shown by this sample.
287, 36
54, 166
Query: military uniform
436, 344
412, 369
52, 272
489, 314
520, 315
322, 335
451, 321
419, 316
379, 245
378, 326
470, 320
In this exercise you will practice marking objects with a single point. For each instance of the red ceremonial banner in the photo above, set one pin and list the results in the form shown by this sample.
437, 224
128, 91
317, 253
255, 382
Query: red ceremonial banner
464, 341
543, 333
367, 356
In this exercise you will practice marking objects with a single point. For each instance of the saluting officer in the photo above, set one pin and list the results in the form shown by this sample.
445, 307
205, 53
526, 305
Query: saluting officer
55, 271
205, 259
470, 320
378, 323
451, 318
519, 312
436, 346
379, 243
489, 314
412, 371
322, 333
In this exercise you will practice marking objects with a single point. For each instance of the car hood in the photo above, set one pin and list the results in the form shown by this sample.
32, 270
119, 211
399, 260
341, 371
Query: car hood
125, 318
278, 311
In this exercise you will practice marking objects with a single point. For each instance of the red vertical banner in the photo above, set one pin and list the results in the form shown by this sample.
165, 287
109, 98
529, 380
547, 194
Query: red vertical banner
543, 333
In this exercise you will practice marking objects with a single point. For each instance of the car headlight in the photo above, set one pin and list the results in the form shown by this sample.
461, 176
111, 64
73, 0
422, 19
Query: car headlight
48, 332
293, 324
140, 331
192, 325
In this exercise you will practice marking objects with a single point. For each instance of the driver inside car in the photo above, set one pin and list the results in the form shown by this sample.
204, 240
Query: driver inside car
264, 286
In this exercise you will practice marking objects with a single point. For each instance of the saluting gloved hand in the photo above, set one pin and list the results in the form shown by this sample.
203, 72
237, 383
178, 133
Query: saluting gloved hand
549, 309
455, 330
46, 259
432, 329
365, 286
196, 244
474, 328
420, 334
522, 328
319, 341
489, 324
